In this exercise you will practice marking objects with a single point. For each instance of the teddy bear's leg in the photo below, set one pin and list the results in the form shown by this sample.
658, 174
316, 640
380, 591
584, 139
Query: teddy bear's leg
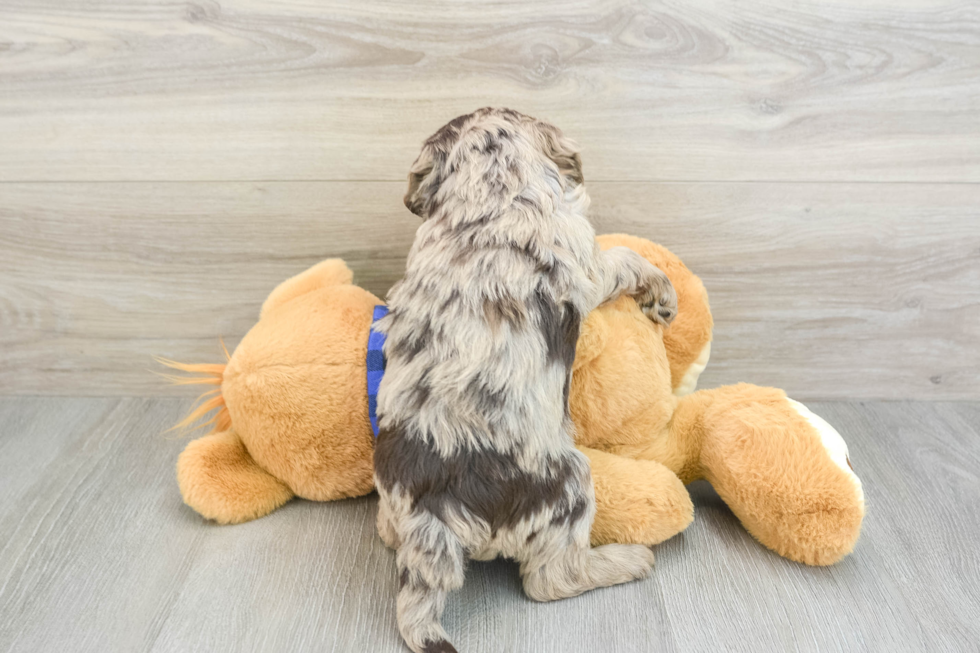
330, 272
219, 479
637, 501
781, 469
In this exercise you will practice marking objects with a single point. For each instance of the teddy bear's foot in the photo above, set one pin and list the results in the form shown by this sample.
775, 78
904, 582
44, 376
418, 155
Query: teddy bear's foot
637, 501
219, 479
782, 470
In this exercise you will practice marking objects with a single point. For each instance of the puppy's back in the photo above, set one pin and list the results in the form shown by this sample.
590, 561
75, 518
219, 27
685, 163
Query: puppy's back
475, 453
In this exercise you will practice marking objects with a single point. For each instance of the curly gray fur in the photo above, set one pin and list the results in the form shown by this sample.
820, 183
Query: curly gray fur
475, 456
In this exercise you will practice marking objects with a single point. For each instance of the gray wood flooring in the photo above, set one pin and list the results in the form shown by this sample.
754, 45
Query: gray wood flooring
97, 553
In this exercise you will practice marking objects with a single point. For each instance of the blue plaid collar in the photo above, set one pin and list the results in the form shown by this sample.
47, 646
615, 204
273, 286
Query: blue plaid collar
375, 366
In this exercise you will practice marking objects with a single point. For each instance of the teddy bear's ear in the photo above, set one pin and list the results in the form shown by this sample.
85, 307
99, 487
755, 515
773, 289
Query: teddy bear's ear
591, 339
331, 272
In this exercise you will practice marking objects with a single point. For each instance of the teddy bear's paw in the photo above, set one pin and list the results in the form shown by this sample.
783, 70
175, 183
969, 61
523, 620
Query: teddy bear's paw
657, 297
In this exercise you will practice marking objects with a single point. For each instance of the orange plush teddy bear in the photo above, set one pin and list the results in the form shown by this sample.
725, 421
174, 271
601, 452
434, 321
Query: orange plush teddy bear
293, 420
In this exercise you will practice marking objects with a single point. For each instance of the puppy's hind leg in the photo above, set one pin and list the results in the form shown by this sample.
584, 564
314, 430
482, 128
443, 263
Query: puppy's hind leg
561, 573
386, 521
430, 564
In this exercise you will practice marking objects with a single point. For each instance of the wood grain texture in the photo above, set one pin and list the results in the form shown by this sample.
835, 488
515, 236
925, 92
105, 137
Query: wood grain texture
97, 553
872, 290
165, 164
333, 90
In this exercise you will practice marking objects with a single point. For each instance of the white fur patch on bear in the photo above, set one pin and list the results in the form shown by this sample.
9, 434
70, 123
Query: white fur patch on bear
690, 379
832, 442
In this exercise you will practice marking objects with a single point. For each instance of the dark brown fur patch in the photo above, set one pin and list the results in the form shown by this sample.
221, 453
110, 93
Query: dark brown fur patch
573, 515
407, 349
488, 400
487, 483
442, 646
448, 134
505, 309
560, 326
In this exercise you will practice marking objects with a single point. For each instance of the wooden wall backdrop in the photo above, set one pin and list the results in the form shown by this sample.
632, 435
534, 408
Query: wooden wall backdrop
164, 163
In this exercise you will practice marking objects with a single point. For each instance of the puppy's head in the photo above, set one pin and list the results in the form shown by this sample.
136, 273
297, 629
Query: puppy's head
497, 137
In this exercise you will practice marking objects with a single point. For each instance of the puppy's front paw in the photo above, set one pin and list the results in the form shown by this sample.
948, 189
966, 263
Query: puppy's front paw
656, 296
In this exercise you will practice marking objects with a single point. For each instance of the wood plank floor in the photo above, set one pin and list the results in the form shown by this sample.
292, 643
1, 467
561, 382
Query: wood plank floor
97, 553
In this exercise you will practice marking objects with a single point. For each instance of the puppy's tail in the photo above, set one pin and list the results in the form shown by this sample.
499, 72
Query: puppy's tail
431, 564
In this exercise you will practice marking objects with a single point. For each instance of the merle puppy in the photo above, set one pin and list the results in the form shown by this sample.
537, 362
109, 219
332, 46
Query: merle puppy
475, 456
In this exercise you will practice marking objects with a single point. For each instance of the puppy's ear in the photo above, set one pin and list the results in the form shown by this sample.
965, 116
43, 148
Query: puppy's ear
563, 151
421, 183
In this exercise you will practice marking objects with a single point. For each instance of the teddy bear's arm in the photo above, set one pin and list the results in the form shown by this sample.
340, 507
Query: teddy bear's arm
637, 501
